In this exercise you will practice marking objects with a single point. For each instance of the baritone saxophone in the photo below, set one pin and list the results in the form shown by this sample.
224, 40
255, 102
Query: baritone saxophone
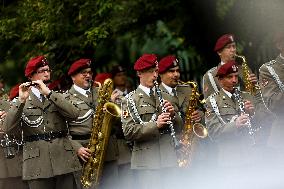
102, 122
190, 129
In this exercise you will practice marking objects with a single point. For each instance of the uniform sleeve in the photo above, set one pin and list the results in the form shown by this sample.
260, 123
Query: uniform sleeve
272, 95
216, 129
136, 131
207, 88
62, 102
13, 116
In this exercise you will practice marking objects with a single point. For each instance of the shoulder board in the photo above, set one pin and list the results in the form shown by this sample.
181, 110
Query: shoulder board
271, 62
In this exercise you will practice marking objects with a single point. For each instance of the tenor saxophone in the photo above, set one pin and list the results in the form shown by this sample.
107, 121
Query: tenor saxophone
190, 129
92, 169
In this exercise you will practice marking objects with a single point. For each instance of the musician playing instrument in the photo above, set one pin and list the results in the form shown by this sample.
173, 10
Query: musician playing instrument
225, 47
49, 159
85, 97
230, 122
153, 154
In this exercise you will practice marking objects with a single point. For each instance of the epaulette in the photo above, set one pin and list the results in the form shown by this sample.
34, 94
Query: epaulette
214, 94
271, 62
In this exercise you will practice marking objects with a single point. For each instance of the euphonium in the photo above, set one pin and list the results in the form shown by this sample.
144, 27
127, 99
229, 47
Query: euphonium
249, 86
92, 169
190, 129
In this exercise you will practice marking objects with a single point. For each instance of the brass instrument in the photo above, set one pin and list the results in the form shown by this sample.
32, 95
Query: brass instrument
92, 169
190, 129
249, 86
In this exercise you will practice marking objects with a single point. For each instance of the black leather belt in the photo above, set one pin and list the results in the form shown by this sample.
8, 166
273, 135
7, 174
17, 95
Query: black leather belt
81, 137
165, 131
46, 136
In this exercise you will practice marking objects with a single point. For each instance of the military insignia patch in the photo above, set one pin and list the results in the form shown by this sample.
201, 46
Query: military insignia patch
125, 114
264, 82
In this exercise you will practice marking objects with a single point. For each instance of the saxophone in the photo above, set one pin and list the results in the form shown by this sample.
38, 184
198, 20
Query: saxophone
92, 169
249, 86
190, 130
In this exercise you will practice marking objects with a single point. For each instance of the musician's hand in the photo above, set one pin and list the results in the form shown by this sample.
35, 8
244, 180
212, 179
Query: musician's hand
169, 108
163, 119
84, 153
249, 108
43, 89
242, 120
196, 116
24, 92
253, 78
116, 96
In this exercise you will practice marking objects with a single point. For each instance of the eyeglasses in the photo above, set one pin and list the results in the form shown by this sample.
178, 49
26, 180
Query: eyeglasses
85, 73
44, 70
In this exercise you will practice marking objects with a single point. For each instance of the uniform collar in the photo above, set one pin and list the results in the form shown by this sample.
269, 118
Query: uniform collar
145, 89
81, 90
228, 93
169, 89
36, 92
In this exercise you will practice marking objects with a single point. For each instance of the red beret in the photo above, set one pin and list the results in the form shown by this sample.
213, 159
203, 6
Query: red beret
146, 61
34, 64
223, 41
79, 65
101, 77
167, 63
14, 92
226, 69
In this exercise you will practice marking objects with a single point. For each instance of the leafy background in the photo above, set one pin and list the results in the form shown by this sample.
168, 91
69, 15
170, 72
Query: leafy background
119, 31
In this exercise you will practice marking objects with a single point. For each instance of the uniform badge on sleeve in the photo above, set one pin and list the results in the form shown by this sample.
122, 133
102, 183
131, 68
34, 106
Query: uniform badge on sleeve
125, 114
264, 82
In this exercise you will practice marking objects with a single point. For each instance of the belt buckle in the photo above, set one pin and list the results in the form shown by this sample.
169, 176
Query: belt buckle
47, 136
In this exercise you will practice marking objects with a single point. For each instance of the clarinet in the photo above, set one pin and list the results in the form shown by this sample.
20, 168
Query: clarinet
239, 98
177, 144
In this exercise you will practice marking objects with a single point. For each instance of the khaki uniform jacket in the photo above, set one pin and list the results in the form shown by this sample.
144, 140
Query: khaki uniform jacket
274, 98
44, 159
84, 123
151, 149
208, 88
233, 145
9, 167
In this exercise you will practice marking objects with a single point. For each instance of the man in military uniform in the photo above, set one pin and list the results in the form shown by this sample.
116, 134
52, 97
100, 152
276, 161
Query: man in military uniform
233, 118
153, 155
226, 50
49, 159
271, 77
86, 98
10, 157
178, 94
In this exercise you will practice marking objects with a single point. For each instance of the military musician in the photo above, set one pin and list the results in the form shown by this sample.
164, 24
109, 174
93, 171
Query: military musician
49, 159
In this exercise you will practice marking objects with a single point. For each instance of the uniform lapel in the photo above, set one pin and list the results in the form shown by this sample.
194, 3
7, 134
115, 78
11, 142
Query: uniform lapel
146, 99
35, 101
226, 100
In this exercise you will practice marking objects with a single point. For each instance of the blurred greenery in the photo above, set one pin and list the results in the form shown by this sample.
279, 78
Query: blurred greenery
119, 31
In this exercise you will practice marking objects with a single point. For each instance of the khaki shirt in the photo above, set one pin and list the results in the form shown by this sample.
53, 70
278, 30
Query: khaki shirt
84, 123
44, 159
232, 142
151, 150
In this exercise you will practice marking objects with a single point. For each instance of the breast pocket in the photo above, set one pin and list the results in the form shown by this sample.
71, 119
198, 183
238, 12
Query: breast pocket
227, 113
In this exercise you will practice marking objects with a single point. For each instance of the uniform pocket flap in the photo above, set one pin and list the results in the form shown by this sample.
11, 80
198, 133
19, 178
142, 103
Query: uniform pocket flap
30, 153
147, 109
